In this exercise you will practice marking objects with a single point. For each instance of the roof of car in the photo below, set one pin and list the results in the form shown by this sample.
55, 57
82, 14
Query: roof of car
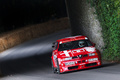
72, 38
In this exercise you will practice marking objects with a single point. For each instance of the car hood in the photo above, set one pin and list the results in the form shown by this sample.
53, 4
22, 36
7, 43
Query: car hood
75, 52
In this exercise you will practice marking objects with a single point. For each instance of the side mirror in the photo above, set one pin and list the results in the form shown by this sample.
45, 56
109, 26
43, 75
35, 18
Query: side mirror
53, 45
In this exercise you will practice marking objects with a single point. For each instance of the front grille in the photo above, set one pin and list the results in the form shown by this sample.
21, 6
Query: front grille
74, 67
91, 64
79, 61
83, 61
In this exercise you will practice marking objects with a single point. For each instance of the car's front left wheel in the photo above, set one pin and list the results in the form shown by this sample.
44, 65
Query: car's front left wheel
58, 68
53, 69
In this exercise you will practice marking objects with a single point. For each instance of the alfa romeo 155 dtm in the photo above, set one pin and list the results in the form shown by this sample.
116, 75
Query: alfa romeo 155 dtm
74, 53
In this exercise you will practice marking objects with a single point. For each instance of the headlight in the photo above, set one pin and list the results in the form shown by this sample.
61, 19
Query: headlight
93, 59
93, 54
67, 58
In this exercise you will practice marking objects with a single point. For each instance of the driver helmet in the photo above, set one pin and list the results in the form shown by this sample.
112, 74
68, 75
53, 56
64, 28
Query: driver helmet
81, 43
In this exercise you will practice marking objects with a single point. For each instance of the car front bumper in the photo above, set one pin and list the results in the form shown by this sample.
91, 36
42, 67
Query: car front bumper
78, 64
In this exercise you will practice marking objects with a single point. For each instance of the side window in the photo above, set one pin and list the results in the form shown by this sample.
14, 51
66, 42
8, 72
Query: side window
55, 44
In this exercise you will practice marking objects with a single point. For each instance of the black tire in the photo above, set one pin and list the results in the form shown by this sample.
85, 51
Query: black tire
58, 69
53, 69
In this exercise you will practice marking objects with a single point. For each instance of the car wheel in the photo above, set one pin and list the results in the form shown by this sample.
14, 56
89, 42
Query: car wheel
58, 69
53, 69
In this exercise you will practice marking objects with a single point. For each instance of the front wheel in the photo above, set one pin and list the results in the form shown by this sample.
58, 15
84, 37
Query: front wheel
53, 69
58, 68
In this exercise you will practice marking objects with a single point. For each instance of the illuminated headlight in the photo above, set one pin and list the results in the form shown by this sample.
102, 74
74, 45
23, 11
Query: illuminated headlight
92, 54
93, 59
67, 58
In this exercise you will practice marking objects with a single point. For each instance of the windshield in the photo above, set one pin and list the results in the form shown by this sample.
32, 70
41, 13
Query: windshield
74, 45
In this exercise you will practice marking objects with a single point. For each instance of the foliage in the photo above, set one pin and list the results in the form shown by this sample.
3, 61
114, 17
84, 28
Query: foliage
108, 12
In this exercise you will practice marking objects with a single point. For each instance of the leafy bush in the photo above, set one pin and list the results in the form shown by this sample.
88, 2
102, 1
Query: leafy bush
108, 12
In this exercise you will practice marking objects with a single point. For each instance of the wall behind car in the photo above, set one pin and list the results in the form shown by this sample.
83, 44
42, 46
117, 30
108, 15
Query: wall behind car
84, 22
13, 38
108, 12
15, 14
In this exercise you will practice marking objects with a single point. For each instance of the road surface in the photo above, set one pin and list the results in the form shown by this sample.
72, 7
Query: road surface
31, 61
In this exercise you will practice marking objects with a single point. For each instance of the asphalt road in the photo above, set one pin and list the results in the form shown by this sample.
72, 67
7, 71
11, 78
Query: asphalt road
31, 61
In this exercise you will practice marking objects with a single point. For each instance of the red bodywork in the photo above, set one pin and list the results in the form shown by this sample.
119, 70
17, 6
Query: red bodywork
75, 59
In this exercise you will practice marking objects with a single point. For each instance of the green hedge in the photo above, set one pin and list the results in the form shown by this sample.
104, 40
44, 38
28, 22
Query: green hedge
108, 12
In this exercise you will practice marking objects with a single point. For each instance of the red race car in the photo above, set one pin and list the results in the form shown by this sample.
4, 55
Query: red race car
74, 53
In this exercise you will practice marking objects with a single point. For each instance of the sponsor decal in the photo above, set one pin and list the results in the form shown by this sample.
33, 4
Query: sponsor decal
90, 49
65, 68
82, 64
79, 50
66, 53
